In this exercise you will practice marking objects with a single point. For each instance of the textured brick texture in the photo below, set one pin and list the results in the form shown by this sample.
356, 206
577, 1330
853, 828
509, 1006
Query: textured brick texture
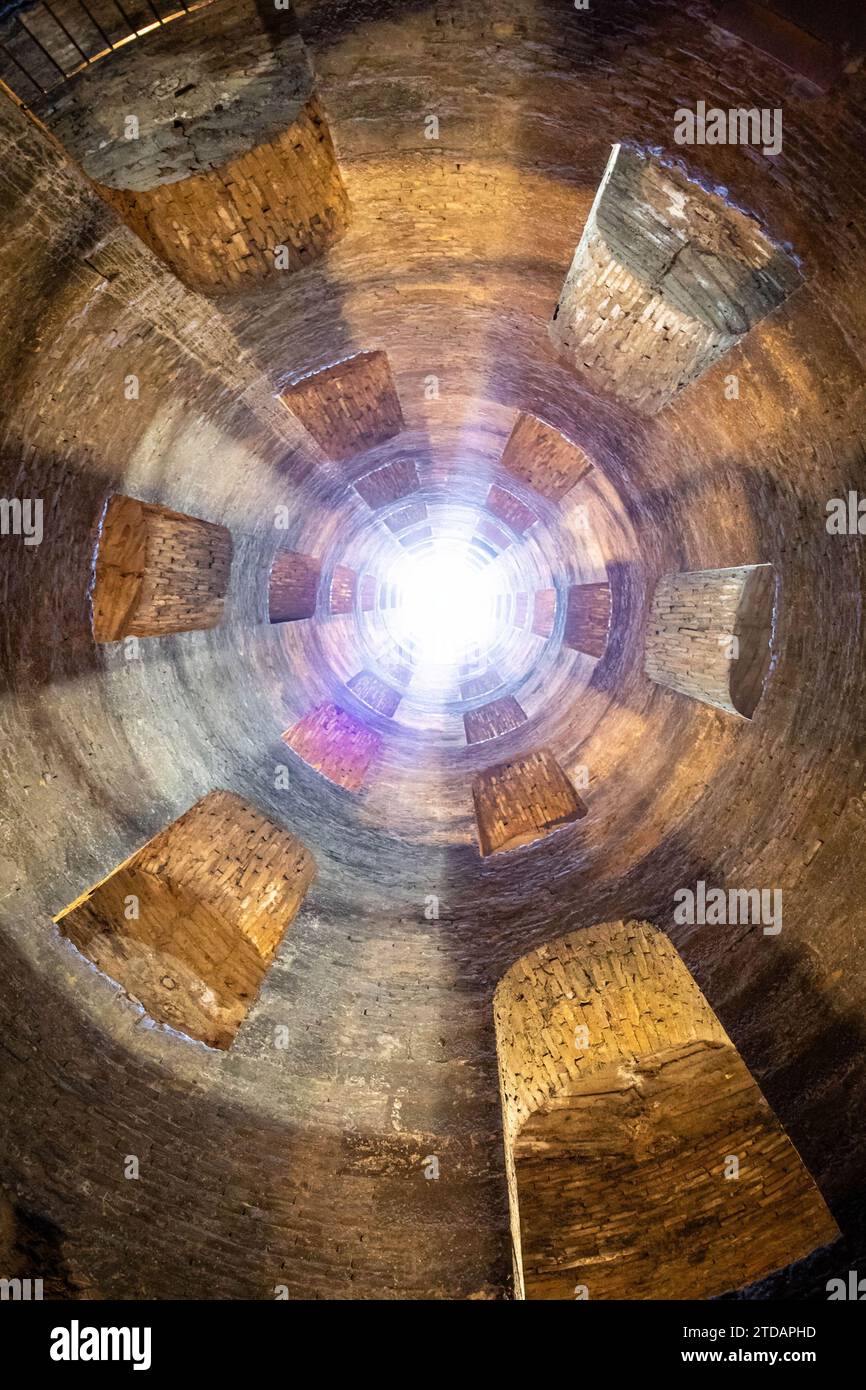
709, 635
191, 922
336, 744
233, 157
540, 456
544, 612
776, 36
521, 608
342, 592
204, 89
493, 535
349, 407
303, 1167
221, 231
587, 618
388, 484
521, 801
32, 1248
508, 508
622, 1099
404, 517
666, 279
375, 693
489, 721
293, 586
157, 571
485, 681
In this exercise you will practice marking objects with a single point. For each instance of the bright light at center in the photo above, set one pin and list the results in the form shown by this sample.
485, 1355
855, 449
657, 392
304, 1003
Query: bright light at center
445, 604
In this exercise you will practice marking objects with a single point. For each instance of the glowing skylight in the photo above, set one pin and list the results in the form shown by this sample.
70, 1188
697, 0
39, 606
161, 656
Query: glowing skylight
446, 605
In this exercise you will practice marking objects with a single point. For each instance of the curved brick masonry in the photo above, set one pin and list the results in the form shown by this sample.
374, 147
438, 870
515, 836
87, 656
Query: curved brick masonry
509, 509
388, 484
375, 693
292, 587
544, 612
267, 1166
492, 720
774, 33
491, 537
341, 595
710, 635
276, 208
31, 1250
405, 517
665, 280
541, 457
482, 684
627, 1110
348, 407
587, 618
157, 571
189, 924
335, 744
209, 140
521, 801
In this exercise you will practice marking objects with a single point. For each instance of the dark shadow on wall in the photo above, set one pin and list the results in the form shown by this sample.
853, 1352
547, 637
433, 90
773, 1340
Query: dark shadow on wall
809, 1045
32, 1248
626, 604
46, 609
231, 1202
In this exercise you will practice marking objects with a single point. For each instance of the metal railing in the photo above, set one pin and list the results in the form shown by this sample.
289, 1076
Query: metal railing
45, 42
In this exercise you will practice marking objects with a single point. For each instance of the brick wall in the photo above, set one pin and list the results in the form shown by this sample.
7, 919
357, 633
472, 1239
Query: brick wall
374, 692
775, 35
219, 231
336, 744
489, 721
348, 407
544, 612
521, 607
388, 484
539, 455
523, 800
342, 592
404, 517
232, 156
666, 279
709, 635
293, 586
587, 618
493, 534
203, 90
622, 1099
157, 571
474, 686
367, 592
508, 508
191, 922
